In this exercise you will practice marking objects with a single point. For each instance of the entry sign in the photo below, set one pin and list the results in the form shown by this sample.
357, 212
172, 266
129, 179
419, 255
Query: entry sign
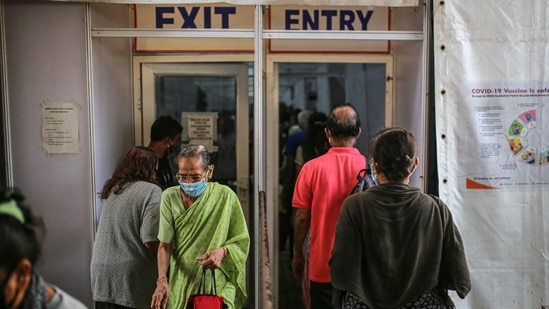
226, 16
326, 19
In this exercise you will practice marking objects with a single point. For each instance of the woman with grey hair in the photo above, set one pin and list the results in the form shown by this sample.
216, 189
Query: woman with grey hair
202, 225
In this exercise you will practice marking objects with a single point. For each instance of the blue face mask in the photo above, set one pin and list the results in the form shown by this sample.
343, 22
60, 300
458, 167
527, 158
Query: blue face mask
374, 176
194, 189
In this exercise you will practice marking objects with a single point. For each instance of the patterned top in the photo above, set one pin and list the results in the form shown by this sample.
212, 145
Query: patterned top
123, 270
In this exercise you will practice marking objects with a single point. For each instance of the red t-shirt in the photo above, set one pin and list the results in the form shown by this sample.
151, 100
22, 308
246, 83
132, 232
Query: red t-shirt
321, 186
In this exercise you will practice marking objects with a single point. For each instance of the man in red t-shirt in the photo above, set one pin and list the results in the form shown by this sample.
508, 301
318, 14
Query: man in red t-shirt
322, 185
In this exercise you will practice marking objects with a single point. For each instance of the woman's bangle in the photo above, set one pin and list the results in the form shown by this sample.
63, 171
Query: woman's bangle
160, 278
224, 251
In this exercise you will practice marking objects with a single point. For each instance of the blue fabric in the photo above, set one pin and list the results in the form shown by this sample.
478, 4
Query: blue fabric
294, 141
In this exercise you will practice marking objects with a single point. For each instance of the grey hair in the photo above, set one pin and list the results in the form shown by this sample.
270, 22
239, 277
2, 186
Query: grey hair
191, 151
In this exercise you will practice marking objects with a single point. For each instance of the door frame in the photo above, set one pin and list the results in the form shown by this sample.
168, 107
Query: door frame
272, 108
141, 131
145, 114
237, 70
145, 68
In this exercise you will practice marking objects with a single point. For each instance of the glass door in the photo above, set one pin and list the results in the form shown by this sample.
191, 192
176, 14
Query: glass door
211, 103
312, 88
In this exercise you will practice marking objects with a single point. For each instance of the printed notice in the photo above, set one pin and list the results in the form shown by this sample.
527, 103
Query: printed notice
200, 129
60, 127
506, 139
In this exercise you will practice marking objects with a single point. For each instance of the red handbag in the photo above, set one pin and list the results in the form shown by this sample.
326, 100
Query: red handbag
204, 300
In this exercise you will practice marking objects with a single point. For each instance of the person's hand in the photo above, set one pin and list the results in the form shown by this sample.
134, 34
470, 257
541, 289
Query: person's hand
161, 293
212, 259
298, 265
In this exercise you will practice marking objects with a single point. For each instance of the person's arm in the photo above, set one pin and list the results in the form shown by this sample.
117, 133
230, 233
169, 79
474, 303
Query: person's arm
454, 272
299, 160
301, 228
150, 222
152, 246
160, 296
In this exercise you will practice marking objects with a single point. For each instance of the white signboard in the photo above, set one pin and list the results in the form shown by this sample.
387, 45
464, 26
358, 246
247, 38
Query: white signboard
388, 3
214, 16
329, 18
226, 16
60, 127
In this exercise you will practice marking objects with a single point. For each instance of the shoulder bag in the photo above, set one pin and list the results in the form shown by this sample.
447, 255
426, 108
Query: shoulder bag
365, 180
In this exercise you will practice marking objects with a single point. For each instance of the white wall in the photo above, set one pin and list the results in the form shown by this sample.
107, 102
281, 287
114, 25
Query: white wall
498, 201
48, 59
113, 132
409, 68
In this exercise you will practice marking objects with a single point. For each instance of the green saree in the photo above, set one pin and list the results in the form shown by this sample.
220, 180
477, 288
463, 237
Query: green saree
214, 220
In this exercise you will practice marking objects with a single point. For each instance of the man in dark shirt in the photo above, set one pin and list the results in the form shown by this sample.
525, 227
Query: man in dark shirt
165, 137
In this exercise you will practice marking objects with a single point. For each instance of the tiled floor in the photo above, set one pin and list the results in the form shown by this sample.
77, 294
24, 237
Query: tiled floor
289, 288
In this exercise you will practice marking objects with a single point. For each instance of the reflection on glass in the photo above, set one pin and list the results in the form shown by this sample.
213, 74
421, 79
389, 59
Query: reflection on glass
319, 86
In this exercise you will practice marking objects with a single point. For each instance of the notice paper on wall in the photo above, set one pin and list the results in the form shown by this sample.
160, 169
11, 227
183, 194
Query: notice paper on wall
60, 127
200, 128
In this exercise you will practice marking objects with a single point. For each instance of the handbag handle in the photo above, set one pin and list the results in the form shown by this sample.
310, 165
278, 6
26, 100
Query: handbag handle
213, 285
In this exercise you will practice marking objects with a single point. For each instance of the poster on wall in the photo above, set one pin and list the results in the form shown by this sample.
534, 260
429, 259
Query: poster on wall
216, 16
493, 145
200, 129
60, 127
510, 140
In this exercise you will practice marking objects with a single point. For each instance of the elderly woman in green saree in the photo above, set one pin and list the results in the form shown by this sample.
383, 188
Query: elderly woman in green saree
201, 225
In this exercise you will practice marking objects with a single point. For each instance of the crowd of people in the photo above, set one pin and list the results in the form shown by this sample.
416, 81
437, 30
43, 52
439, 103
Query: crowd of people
391, 246
154, 238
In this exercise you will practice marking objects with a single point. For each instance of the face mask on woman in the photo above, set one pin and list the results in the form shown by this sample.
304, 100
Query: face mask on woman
194, 189
374, 176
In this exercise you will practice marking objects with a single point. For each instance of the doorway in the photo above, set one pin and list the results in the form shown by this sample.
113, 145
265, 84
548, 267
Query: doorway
316, 86
183, 88
211, 102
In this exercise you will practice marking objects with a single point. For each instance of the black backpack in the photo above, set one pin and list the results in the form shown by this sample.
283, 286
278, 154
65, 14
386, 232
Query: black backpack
365, 180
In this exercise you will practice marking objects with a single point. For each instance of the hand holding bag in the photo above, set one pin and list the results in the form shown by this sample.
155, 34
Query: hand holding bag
204, 300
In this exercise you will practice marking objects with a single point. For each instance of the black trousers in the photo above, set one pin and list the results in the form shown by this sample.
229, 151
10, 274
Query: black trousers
321, 295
